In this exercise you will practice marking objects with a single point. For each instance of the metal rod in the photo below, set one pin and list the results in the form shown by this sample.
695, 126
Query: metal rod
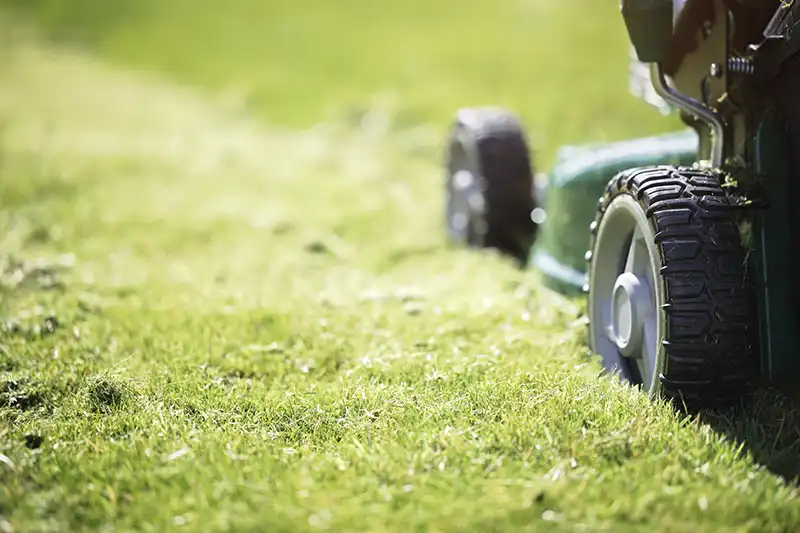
693, 107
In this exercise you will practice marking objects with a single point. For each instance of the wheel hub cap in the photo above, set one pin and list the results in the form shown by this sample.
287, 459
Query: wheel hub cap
624, 295
627, 304
462, 183
466, 200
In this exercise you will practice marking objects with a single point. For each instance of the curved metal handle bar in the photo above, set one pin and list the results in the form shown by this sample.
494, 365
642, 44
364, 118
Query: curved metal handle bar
694, 107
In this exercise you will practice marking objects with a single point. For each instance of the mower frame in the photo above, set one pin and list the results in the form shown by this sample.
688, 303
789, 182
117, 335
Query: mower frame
731, 69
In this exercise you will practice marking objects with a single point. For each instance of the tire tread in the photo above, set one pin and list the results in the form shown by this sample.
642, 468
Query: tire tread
505, 164
706, 298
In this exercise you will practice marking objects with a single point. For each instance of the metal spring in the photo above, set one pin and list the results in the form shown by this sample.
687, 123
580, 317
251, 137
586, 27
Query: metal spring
741, 65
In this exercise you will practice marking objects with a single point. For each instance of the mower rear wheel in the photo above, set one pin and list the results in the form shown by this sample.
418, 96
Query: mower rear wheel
490, 192
668, 302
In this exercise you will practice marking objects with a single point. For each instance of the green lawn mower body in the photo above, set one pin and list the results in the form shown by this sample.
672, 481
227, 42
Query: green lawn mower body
683, 242
569, 199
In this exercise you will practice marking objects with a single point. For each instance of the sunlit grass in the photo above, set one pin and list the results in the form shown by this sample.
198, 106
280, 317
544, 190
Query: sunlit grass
214, 323
561, 66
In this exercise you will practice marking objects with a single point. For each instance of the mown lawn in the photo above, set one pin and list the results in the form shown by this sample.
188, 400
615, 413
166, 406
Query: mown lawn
228, 304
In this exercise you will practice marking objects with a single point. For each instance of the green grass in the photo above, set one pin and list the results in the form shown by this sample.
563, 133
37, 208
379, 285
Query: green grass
565, 75
221, 316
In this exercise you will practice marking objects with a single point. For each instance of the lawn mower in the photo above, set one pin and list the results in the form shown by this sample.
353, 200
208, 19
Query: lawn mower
682, 242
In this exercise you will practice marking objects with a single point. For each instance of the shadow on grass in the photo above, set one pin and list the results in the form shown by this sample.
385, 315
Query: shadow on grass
768, 425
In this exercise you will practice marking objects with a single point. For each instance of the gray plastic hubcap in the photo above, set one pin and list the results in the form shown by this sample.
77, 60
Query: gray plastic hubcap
465, 201
629, 298
624, 296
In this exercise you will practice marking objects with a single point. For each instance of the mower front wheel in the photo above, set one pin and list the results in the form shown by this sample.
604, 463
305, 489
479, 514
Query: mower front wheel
490, 190
668, 301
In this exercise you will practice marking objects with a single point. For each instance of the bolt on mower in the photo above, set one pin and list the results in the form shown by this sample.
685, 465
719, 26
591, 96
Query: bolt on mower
682, 242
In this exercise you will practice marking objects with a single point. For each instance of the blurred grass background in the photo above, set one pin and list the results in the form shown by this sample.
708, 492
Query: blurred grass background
562, 66
236, 310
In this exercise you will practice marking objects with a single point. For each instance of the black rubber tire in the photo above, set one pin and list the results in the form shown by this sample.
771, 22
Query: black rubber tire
708, 330
491, 145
